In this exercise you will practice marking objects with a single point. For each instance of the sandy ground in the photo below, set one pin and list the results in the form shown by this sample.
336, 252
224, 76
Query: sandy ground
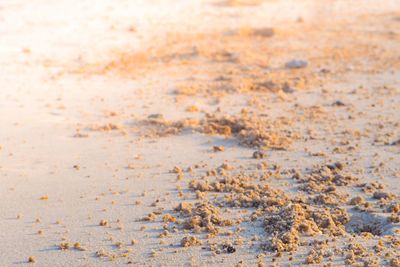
101, 100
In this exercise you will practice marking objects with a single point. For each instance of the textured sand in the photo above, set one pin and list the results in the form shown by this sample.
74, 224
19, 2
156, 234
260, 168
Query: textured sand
81, 143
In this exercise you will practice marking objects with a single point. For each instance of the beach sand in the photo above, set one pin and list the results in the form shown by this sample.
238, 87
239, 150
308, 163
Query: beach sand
200, 133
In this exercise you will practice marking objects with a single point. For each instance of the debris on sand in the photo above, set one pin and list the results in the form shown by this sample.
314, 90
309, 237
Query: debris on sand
31, 259
225, 247
288, 220
249, 130
296, 64
105, 127
79, 247
168, 218
257, 32
177, 170
185, 208
204, 217
81, 135
396, 143
288, 223
218, 148
150, 217
189, 241
64, 246
258, 155
103, 253
383, 195
358, 200
103, 223
338, 103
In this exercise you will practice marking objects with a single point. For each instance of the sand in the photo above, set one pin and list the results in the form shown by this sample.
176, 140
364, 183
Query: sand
200, 133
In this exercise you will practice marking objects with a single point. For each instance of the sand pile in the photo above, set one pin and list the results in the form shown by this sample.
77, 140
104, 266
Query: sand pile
249, 130
288, 220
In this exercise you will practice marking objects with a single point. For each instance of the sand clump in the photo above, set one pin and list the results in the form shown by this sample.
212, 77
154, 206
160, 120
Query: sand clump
358, 200
31, 259
284, 227
288, 224
103, 223
64, 246
383, 195
288, 220
247, 129
168, 218
203, 217
250, 131
218, 148
106, 127
224, 247
244, 192
189, 241
79, 247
